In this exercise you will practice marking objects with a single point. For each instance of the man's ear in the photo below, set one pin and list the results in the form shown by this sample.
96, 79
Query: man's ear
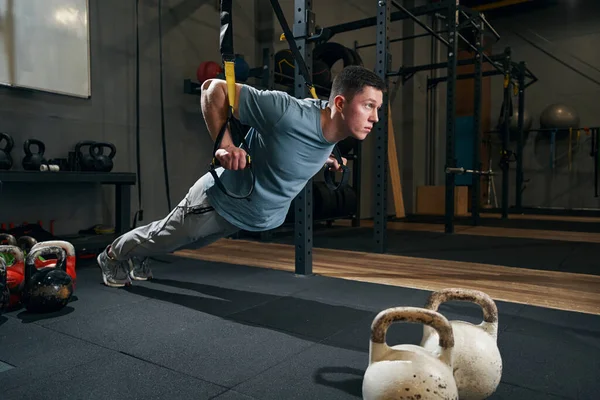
339, 102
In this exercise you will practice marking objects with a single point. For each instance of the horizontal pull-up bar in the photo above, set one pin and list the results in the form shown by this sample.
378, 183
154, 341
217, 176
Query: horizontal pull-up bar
395, 16
466, 10
435, 81
400, 39
420, 23
418, 68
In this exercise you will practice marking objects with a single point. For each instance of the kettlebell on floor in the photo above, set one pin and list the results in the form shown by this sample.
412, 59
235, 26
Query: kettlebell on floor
410, 371
50, 288
477, 359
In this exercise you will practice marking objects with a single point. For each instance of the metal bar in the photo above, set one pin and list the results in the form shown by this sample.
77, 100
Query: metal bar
520, 141
485, 56
122, 208
362, 46
303, 27
567, 52
427, 67
499, 4
435, 81
420, 23
452, 22
396, 16
381, 130
505, 134
555, 58
489, 26
357, 181
476, 179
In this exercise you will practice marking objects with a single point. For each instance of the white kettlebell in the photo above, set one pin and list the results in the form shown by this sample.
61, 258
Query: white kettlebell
409, 371
477, 360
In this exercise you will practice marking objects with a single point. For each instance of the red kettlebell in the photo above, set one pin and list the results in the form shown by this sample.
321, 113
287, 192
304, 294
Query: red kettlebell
208, 70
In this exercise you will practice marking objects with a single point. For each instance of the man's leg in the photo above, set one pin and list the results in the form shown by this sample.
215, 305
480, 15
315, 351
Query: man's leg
192, 224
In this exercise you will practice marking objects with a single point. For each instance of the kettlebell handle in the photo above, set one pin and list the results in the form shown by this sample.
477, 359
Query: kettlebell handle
437, 321
14, 250
61, 262
490, 310
83, 143
100, 149
26, 242
10, 239
10, 143
66, 246
30, 142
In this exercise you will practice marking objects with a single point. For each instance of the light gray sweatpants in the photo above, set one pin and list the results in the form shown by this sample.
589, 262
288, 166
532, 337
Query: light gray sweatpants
192, 224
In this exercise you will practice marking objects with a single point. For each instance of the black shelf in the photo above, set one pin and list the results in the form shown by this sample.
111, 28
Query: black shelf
88, 242
123, 178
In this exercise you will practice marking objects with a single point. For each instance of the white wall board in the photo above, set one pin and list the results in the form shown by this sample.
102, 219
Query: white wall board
45, 45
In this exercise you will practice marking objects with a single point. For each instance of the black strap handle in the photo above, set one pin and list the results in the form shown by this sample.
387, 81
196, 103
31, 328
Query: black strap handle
330, 175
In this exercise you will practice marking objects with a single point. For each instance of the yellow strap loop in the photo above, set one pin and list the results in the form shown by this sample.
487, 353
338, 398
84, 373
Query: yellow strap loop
230, 77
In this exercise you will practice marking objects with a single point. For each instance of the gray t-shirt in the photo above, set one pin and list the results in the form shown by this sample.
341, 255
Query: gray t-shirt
287, 148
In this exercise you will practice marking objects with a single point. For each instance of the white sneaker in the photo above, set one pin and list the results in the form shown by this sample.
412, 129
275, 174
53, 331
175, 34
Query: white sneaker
140, 269
114, 273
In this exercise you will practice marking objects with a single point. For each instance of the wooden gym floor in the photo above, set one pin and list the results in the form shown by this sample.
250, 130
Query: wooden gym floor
537, 286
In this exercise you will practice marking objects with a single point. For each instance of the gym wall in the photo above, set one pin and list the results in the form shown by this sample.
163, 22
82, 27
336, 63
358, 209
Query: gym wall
565, 29
190, 35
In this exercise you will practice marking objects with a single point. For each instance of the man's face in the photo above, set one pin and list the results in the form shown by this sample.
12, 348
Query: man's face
360, 114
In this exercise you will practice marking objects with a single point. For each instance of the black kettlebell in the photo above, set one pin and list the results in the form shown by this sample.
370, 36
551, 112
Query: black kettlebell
33, 161
84, 161
103, 163
6, 161
47, 289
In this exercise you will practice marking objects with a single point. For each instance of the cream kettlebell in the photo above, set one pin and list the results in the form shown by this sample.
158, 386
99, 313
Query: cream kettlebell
409, 371
477, 360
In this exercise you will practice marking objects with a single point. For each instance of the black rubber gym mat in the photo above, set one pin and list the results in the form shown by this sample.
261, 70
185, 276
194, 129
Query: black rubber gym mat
251, 333
116, 376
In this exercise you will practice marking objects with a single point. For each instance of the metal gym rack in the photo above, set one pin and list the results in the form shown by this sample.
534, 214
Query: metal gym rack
458, 19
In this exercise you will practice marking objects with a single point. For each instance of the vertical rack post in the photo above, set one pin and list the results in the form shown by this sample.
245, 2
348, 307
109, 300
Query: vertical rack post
506, 131
304, 23
381, 129
356, 181
519, 192
476, 183
452, 22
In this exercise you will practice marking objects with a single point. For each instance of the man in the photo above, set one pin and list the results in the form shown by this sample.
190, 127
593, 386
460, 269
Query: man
289, 142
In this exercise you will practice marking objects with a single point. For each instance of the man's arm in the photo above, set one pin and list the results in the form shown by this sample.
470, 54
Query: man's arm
215, 106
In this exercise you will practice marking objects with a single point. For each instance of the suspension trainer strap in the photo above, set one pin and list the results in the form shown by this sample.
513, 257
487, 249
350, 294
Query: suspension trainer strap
289, 36
228, 56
